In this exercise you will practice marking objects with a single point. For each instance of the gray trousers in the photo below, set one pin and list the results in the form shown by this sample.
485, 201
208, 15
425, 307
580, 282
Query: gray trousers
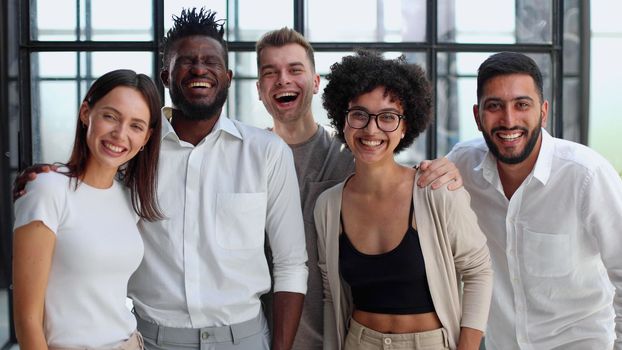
249, 335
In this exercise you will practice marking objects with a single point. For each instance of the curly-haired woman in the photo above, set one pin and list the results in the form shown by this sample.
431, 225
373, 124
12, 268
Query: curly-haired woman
392, 255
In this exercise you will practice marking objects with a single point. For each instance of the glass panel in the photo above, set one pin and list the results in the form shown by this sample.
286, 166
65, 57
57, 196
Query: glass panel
572, 38
117, 20
53, 20
98, 20
4, 314
57, 90
371, 21
572, 121
456, 95
54, 120
605, 77
251, 18
501, 21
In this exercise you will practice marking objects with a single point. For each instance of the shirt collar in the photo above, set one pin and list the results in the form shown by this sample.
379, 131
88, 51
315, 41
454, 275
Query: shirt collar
542, 168
225, 124
544, 163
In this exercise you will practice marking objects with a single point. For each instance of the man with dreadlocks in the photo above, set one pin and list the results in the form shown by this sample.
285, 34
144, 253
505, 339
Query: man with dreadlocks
222, 184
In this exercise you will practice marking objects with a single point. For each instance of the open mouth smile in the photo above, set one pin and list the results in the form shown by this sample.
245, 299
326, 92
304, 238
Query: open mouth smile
113, 148
509, 135
286, 97
371, 143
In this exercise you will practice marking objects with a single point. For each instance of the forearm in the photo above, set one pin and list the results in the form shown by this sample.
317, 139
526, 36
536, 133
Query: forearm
29, 331
287, 308
469, 339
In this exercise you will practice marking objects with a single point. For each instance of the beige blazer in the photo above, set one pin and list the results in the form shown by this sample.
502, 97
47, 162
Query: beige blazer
454, 250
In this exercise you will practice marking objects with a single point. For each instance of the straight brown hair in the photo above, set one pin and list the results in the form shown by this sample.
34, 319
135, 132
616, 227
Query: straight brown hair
139, 174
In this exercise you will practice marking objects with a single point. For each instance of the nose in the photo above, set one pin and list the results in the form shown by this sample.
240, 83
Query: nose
119, 130
283, 79
509, 116
372, 124
198, 69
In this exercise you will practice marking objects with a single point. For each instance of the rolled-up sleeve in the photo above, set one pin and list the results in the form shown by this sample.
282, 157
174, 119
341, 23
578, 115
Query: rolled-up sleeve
284, 224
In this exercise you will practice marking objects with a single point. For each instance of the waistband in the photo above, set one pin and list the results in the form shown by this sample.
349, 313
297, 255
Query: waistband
134, 342
193, 336
419, 339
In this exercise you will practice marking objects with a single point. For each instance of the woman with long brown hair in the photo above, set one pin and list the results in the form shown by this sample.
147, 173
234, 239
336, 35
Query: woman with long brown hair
75, 237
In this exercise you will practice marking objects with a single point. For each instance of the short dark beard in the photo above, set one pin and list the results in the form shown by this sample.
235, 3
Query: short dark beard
198, 111
513, 159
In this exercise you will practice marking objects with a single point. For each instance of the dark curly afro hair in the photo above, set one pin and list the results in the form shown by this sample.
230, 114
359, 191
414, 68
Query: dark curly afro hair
194, 22
366, 70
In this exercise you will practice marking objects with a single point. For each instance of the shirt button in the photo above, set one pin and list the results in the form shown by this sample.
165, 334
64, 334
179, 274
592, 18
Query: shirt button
387, 341
204, 335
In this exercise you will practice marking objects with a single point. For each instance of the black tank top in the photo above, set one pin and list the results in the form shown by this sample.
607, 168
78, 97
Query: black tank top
394, 282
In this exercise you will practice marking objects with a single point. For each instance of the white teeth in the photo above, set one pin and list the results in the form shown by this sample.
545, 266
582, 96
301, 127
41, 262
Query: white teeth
371, 143
200, 84
113, 148
509, 137
284, 94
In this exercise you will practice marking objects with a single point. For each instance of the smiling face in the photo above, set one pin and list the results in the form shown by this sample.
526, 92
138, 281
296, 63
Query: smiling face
197, 77
510, 115
287, 82
117, 127
370, 144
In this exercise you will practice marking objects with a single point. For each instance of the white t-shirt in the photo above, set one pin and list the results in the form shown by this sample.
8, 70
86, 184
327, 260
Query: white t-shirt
98, 247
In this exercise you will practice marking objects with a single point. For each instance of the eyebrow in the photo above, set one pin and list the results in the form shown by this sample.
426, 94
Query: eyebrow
517, 98
272, 66
382, 110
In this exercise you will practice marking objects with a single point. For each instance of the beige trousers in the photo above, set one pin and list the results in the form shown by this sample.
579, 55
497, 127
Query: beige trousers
362, 338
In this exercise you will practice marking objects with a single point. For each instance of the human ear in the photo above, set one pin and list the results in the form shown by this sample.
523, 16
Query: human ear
476, 116
164, 77
84, 114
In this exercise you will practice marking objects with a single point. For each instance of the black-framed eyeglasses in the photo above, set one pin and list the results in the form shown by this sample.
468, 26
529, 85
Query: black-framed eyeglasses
385, 121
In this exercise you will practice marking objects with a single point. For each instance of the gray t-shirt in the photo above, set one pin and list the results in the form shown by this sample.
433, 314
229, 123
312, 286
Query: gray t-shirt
321, 162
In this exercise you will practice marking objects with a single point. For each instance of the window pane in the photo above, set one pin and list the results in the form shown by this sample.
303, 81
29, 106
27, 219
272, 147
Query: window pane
54, 120
501, 21
373, 20
57, 92
53, 20
98, 20
456, 94
605, 77
251, 18
117, 20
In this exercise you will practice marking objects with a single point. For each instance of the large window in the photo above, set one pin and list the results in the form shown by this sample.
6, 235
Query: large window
63, 45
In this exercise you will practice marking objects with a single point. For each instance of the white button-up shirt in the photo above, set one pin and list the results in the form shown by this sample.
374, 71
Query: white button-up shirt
205, 264
555, 247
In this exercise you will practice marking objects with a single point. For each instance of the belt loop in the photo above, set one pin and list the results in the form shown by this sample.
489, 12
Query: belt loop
234, 337
359, 335
160, 335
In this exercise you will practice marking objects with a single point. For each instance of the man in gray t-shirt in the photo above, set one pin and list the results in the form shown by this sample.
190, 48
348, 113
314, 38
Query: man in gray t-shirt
286, 85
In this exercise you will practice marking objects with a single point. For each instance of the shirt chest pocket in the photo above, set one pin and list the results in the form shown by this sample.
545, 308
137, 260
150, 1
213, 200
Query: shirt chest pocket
547, 254
240, 220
